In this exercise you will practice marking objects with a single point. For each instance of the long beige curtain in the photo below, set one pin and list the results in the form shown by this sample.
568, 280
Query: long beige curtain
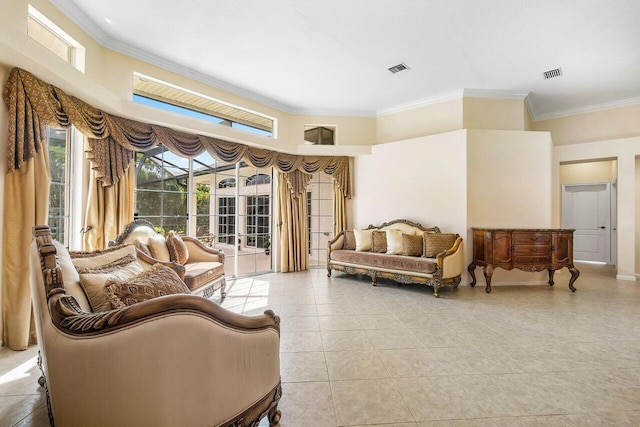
26, 203
33, 105
292, 217
109, 209
339, 209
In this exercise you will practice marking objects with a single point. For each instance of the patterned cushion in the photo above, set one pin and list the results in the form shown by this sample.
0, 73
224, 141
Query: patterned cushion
434, 243
379, 242
177, 249
160, 280
395, 245
349, 240
412, 244
142, 246
364, 240
93, 280
158, 247
94, 259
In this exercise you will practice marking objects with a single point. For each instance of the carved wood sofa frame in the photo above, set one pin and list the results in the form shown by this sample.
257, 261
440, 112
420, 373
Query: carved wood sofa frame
208, 289
436, 279
62, 326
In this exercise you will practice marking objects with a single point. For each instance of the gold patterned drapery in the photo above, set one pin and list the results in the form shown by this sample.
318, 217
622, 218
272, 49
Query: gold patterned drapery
49, 105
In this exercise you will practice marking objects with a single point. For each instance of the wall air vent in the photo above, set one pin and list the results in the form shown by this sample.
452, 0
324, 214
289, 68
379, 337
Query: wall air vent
552, 73
400, 67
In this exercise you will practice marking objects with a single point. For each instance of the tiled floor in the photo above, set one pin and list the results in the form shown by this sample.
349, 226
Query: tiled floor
394, 356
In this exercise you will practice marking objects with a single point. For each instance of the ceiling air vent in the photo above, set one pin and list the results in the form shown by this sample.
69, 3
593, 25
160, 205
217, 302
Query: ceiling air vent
552, 73
400, 67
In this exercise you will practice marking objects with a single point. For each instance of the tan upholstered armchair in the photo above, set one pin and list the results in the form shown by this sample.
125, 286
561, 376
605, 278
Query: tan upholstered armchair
175, 360
203, 269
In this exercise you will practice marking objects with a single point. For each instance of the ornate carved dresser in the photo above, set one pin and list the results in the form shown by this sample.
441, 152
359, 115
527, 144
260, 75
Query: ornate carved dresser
528, 249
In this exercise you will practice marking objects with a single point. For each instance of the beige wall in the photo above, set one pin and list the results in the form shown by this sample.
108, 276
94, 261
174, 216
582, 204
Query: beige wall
349, 130
615, 123
509, 185
504, 114
422, 121
421, 179
588, 172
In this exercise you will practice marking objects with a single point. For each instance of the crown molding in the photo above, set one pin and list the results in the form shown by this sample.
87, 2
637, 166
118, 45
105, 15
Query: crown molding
494, 94
588, 109
458, 94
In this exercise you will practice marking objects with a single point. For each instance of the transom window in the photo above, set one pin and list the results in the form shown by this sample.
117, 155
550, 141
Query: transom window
227, 183
156, 93
258, 179
49, 35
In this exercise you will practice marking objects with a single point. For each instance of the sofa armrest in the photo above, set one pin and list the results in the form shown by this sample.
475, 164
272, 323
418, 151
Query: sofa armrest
451, 261
198, 252
336, 243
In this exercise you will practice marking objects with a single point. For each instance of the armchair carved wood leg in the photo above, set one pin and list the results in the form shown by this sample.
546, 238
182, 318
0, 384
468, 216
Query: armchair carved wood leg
374, 278
328, 271
551, 273
471, 269
274, 413
574, 275
488, 273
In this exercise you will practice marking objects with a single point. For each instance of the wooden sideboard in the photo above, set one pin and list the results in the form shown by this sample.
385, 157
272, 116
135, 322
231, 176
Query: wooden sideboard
528, 249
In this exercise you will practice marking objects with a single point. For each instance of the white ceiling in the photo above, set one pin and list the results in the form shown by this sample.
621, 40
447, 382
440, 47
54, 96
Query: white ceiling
331, 56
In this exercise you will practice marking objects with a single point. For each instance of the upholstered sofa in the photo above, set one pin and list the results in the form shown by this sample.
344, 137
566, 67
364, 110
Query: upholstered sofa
400, 250
173, 360
202, 270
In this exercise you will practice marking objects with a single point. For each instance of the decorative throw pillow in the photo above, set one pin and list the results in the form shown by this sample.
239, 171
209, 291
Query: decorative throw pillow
177, 249
93, 280
96, 259
364, 240
395, 244
412, 244
142, 246
379, 242
158, 247
434, 243
349, 240
160, 280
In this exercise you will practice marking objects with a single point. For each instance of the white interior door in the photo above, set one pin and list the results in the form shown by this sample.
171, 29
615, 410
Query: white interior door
587, 208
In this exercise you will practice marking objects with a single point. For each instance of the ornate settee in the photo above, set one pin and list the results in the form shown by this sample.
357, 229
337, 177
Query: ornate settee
174, 360
438, 262
202, 271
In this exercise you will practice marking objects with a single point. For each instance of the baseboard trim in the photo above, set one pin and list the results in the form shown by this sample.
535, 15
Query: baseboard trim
625, 277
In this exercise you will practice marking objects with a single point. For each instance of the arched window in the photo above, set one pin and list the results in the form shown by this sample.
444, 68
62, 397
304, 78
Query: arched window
257, 179
227, 183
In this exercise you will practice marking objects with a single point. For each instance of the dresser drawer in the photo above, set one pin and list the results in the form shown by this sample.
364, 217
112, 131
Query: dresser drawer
539, 249
531, 260
531, 238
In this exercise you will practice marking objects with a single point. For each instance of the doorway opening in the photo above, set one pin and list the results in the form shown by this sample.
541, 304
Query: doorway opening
589, 205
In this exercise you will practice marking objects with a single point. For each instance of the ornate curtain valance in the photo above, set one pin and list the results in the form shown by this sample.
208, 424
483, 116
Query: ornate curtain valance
34, 104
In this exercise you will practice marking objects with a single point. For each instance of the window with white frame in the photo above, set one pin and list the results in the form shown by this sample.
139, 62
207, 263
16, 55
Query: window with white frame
161, 192
59, 146
258, 220
49, 35
226, 220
